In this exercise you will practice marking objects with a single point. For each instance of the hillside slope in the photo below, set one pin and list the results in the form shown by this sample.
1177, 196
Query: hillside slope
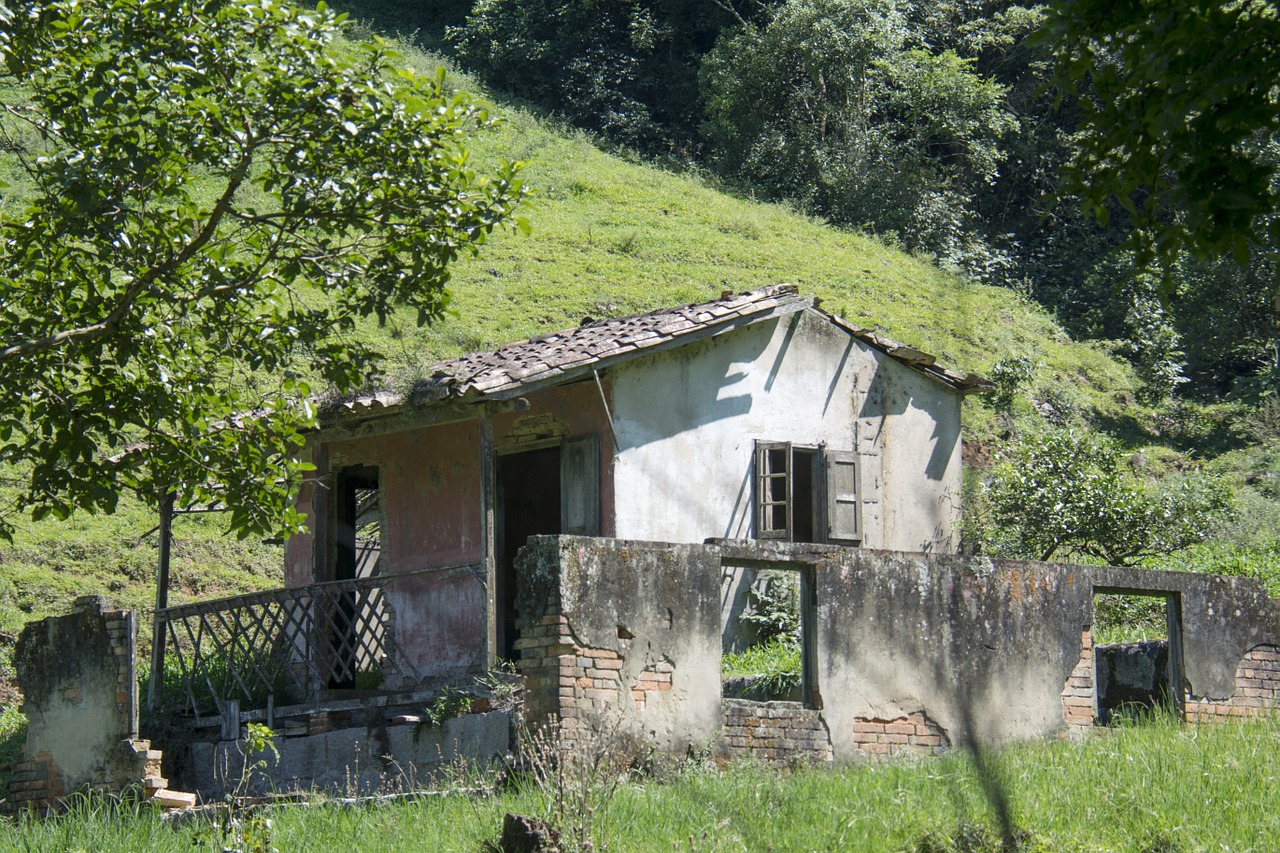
610, 236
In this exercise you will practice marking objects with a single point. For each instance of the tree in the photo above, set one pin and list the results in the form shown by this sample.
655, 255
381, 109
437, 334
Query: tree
845, 107
1179, 118
625, 69
1064, 493
214, 194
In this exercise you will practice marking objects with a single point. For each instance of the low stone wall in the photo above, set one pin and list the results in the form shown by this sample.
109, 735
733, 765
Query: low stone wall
909, 653
387, 758
774, 732
1131, 678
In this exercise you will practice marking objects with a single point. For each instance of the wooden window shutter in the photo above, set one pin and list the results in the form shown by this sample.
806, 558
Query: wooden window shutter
580, 486
844, 506
773, 490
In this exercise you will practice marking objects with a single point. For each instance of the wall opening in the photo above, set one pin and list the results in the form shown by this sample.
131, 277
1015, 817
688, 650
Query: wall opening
528, 505
1137, 654
767, 641
357, 543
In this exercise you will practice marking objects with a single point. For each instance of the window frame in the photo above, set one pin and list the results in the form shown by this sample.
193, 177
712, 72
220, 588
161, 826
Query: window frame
836, 486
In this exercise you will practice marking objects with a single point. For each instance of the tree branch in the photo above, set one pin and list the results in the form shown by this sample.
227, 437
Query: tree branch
140, 284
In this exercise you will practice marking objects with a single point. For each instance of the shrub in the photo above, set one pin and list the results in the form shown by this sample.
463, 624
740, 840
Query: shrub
1064, 493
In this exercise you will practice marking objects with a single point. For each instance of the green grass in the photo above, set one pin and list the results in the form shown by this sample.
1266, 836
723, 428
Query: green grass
1156, 786
778, 659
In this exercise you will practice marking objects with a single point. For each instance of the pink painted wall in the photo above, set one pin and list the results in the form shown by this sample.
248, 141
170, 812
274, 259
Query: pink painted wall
573, 410
440, 622
430, 482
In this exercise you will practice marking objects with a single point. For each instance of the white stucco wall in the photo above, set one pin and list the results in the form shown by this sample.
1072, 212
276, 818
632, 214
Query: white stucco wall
687, 420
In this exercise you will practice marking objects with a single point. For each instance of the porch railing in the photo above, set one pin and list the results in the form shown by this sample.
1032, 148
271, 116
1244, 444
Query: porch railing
286, 646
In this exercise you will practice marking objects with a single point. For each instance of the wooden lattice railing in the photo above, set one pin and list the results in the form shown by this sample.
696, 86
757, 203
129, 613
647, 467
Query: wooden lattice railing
285, 646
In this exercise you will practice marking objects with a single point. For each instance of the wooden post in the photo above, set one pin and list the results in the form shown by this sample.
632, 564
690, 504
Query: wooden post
159, 626
488, 555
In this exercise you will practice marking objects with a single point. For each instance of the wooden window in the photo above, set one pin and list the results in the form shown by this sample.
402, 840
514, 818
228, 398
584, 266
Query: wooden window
773, 490
806, 494
844, 497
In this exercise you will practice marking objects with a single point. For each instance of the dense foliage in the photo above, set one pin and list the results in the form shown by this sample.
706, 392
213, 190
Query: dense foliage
983, 133
1065, 494
1179, 117
841, 106
214, 195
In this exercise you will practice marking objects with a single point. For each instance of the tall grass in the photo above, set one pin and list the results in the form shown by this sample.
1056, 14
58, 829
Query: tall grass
1155, 786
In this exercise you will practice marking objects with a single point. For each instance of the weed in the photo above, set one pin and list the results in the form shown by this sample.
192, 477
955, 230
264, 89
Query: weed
773, 606
452, 702
573, 777
241, 828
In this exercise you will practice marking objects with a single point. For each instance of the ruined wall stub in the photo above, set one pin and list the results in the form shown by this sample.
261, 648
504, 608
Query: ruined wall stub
81, 701
623, 637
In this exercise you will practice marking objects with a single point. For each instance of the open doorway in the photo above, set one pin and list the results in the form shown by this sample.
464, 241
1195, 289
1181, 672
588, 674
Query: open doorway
768, 637
357, 525
528, 505
1137, 654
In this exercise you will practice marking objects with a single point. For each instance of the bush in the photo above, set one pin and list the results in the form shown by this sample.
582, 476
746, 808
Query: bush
1064, 493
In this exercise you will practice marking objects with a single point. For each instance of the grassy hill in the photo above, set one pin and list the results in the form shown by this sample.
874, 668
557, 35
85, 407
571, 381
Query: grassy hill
613, 236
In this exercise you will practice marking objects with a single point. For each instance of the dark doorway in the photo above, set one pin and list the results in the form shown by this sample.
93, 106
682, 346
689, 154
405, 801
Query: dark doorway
356, 524
804, 521
528, 505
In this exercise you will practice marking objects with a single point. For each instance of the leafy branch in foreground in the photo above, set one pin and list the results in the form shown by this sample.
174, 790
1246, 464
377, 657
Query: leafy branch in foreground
215, 193
1179, 121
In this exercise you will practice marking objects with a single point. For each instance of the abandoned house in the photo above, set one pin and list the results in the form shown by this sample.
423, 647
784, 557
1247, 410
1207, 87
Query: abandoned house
598, 505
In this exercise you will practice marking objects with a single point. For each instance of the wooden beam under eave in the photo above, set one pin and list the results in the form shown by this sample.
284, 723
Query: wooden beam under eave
401, 419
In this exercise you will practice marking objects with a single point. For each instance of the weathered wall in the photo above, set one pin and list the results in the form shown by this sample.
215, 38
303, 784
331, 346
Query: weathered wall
971, 645
80, 696
622, 636
688, 418
382, 758
913, 653
909, 442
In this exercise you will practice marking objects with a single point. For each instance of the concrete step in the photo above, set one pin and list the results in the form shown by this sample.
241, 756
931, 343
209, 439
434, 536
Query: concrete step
173, 799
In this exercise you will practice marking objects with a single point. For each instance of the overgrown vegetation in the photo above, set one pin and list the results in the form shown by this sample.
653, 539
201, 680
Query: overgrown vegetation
771, 661
1158, 786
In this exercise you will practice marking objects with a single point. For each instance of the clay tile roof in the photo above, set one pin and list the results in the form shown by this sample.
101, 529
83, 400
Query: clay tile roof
520, 367
514, 367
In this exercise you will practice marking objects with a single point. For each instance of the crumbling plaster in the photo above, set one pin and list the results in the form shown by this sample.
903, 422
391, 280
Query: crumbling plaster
960, 646
649, 604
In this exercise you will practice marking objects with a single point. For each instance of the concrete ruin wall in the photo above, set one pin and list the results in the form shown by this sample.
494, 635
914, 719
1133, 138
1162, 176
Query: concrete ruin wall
343, 755
910, 653
81, 701
621, 637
